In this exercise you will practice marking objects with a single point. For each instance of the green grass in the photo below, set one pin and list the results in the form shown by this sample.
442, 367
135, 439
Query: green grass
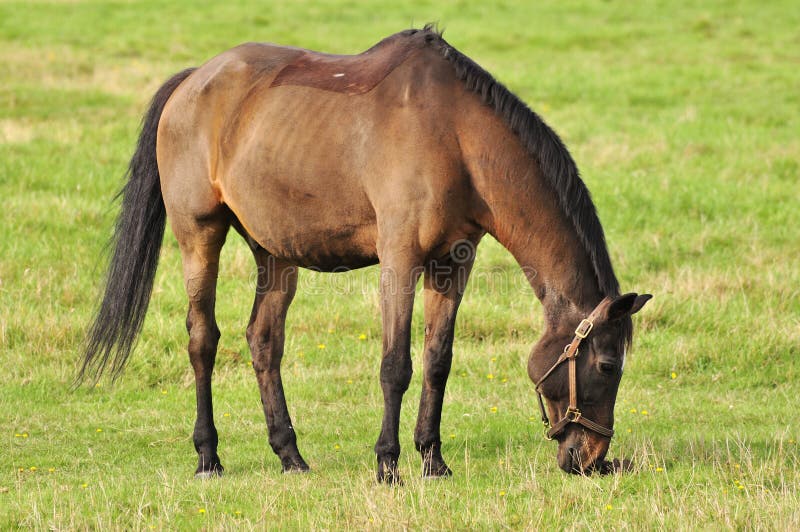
684, 122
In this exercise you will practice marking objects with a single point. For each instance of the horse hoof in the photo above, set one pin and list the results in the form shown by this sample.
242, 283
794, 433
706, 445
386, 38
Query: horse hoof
294, 465
440, 472
203, 475
390, 478
296, 469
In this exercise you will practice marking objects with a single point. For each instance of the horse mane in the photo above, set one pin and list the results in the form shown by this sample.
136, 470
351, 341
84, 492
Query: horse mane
545, 146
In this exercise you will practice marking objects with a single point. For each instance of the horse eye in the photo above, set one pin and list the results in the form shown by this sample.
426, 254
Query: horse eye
608, 368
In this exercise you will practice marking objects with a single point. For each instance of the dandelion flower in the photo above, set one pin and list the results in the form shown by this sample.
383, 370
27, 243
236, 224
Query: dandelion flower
51, 470
504, 379
33, 468
673, 375
633, 410
201, 510
320, 346
24, 434
163, 392
502, 493
226, 415
337, 446
362, 336
490, 376
99, 430
609, 507
452, 436
659, 469
645, 412
493, 409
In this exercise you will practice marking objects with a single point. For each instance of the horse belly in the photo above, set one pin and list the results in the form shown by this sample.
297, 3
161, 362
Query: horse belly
322, 227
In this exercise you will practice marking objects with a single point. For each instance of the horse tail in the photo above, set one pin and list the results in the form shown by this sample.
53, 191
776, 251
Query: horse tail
136, 245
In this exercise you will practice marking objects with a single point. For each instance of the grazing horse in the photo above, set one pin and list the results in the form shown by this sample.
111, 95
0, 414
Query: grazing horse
404, 155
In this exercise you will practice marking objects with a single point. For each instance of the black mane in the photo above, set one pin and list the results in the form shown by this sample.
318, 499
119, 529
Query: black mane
555, 161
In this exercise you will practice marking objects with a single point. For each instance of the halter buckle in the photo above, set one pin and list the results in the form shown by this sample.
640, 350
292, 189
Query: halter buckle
572, 414
584, 328
547, 431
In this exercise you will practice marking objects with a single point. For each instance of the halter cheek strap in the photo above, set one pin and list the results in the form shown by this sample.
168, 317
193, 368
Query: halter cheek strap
570, 354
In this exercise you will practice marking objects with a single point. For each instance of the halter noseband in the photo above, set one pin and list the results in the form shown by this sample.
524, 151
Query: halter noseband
573, 414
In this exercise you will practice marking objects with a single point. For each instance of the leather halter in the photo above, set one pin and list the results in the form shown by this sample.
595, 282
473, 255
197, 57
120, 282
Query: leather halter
571, 352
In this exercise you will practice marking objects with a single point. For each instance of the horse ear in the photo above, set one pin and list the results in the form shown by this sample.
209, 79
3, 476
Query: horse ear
641, 299
625, 305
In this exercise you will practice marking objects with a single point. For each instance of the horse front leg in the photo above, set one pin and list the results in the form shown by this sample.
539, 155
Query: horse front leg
398, 283
444, 287
277, 284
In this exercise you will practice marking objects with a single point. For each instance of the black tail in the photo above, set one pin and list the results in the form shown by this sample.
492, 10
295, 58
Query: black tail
136, 244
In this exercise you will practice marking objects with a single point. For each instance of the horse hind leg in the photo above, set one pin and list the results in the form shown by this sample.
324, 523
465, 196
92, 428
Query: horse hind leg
277, 283
200, 245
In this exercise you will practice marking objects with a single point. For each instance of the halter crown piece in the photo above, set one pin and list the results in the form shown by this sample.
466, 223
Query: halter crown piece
573, 413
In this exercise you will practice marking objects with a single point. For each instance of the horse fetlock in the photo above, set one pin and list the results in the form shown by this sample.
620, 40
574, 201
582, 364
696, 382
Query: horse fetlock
283, 442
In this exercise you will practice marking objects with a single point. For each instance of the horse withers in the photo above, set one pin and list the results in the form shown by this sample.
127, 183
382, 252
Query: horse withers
394, 156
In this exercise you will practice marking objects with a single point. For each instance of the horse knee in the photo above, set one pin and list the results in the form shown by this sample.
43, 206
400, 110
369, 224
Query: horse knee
438, 369
396, 374
257, 339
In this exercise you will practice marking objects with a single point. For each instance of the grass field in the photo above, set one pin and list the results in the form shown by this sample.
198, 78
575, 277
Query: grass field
684, 121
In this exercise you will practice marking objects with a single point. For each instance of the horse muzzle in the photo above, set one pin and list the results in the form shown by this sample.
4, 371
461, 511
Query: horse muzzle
581, 452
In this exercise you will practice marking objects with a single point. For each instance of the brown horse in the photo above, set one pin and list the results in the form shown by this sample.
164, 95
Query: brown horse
405, 155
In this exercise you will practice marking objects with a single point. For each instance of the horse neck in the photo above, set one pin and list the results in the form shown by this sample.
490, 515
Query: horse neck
524, 215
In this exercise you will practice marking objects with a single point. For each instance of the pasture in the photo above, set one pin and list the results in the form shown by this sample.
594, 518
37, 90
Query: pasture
684, 123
